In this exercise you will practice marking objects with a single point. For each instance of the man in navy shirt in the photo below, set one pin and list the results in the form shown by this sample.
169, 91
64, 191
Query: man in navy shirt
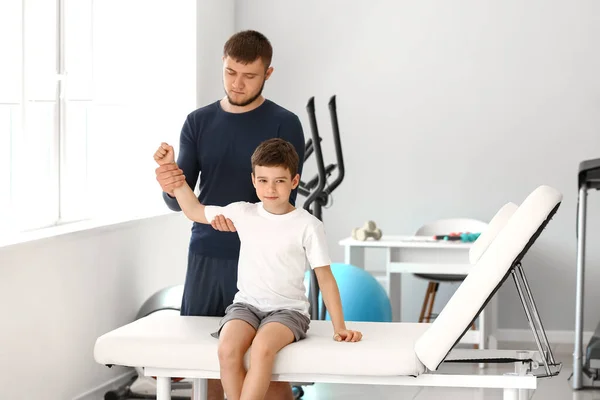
216, 144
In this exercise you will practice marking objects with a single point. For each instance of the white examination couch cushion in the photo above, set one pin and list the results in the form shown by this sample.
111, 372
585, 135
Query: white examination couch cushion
487, 236
167, 340
487, 275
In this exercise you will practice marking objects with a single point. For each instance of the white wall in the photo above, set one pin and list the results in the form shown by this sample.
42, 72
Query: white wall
215, 26
58, 295
450, 109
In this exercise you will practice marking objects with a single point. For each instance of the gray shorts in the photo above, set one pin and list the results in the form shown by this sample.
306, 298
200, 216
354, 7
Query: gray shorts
297, 322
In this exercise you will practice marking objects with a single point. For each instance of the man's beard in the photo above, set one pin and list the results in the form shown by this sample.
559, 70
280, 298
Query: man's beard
250, 100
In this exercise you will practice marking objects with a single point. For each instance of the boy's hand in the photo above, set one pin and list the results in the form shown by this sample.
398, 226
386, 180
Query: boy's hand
165, 154
346, 335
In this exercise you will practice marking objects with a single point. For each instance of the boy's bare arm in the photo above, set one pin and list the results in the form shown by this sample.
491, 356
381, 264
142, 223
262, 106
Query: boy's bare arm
333, 302
189, 204
186, 198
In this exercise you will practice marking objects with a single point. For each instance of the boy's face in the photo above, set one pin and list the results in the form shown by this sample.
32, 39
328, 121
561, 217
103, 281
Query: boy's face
274, 184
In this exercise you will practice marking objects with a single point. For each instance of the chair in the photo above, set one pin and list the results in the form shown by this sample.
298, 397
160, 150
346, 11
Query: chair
441, 227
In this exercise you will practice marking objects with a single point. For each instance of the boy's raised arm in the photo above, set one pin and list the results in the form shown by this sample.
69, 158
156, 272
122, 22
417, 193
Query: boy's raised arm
189, 204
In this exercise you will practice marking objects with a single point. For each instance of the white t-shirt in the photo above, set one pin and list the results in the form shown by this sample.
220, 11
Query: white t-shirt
274, 253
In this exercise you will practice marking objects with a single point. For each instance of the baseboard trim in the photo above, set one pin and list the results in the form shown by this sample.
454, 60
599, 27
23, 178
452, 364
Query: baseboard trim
99, 391
554, 337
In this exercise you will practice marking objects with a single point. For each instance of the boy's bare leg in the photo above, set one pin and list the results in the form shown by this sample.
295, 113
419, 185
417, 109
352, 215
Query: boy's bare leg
269, 339
276, 391
234, 341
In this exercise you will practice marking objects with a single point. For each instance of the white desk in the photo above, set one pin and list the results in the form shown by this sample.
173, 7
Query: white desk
407, 256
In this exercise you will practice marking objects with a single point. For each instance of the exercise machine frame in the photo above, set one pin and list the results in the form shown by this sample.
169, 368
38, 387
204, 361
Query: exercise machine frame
318, 191
588, 179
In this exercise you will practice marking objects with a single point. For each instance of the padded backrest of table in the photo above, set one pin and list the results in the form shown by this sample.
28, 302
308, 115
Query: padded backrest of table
487, 236
485, 277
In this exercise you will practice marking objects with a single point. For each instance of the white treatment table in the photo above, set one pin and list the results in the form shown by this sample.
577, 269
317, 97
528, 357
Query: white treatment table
171, 346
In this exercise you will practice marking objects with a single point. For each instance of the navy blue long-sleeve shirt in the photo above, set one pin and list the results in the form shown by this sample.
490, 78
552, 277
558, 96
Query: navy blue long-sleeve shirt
216, 146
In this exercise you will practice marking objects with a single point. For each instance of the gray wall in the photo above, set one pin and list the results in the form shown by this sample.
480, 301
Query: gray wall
450, 109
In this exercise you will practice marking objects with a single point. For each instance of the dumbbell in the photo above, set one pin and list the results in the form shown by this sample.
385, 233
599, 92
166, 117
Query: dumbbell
369, 229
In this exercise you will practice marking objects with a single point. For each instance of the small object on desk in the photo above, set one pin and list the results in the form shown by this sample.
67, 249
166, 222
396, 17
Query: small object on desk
460, 236
369, 229
419, 239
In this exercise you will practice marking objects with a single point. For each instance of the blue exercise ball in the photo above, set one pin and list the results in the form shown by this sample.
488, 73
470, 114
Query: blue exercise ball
363, 297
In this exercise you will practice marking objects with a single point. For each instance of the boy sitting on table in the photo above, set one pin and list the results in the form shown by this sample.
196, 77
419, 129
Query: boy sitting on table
270, 309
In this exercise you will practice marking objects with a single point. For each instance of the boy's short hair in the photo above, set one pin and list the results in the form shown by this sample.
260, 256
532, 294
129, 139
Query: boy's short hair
274, 153
246, 46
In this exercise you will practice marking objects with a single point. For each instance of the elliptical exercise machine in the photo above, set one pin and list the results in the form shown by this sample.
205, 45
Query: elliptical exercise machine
317, 190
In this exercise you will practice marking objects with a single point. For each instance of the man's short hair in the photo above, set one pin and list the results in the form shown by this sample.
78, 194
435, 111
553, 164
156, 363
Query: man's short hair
246, 46
274, 153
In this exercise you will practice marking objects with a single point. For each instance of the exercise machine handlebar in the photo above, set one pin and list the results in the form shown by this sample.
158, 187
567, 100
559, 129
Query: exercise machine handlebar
316, 142
305, 189
338, 146
308, 148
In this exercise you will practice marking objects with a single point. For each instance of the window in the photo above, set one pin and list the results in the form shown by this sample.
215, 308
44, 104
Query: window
88, 90
10, 96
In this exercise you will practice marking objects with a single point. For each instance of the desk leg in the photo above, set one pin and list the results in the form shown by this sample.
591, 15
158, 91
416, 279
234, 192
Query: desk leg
394, 288
487, 327
483, 332
492, 319
354, 255
483, 325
